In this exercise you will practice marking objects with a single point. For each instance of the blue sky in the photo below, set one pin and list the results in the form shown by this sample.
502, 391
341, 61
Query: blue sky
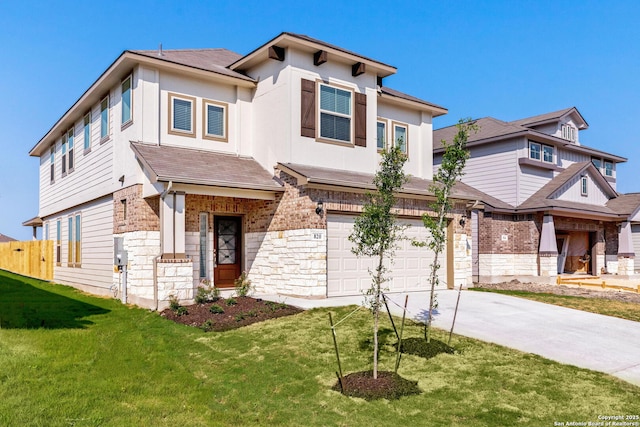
505, 59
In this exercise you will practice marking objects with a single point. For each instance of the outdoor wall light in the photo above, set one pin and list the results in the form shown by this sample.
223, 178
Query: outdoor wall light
463, 220
319, 207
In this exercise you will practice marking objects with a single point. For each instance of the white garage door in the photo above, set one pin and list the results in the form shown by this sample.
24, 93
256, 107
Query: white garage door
349, 275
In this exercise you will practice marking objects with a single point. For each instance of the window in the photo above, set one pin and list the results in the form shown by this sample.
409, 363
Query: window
335, 113
58, 245
46, 231
382, 135
608, 168
204, 222
70, 144
104, 119
126, 101
583, 185
78, 251
215, 120
182, 118
597, 163
534, 150
400, 137
568, 132
70, 243
52, 161
547, 153
87, 131
124, 209
64, 155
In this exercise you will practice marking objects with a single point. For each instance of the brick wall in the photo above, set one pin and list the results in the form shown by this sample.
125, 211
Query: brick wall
521, 235
141, 214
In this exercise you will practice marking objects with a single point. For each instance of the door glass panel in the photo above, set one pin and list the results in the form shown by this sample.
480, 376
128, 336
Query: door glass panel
227, 241
203, 244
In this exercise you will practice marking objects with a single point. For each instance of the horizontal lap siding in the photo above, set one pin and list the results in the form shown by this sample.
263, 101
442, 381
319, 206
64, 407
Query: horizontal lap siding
97, 245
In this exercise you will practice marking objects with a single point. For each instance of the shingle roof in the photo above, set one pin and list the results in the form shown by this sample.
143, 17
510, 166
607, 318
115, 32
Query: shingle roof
541, 201
215, 60
397, 94
545, 117
5, 239
360, 180
488, 127
625, 204
191, 166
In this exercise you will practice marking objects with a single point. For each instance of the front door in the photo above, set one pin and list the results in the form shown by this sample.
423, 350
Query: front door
227, 249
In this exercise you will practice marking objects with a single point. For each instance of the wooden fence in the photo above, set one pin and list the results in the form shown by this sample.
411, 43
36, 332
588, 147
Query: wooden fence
31, 258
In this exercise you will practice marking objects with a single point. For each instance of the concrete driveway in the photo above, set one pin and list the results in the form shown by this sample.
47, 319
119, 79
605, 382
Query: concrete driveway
592, 341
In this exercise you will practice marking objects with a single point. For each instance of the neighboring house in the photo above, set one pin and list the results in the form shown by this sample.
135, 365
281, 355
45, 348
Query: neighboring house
5, 239
563, 215
203, 163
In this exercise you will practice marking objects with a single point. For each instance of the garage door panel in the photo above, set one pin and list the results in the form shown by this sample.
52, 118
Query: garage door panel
350, 275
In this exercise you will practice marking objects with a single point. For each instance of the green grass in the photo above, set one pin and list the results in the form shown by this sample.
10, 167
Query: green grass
95, 362
621, 309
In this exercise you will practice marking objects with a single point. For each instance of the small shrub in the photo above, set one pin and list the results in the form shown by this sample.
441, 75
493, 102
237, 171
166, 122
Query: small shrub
174, 303
275, 306
216, 309
181, 311
231, 301
239, 317
252, 313
207, 325
243, 285
202, 295
206, 293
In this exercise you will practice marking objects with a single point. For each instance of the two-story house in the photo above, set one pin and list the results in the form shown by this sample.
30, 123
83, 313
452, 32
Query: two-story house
564, 214
201, 164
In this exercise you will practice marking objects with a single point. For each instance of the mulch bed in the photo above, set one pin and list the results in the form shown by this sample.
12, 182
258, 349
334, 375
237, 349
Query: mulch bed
246, 311
388, 385
516, 285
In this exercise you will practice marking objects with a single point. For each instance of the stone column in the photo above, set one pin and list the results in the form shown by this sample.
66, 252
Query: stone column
548, 251
172, 225
626, 254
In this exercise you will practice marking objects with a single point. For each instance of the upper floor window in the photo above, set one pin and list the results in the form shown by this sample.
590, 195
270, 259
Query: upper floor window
597, 163
568, 132
381, 127
70, 144
541, 152
608, 168
52, 165
215, 120
335, 113
64, 154
126, 101
104, 118
87, 131
400, 133
583, 185
181, 115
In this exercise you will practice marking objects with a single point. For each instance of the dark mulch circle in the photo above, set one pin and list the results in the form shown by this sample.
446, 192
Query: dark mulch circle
246, 311
388, 385
420, 347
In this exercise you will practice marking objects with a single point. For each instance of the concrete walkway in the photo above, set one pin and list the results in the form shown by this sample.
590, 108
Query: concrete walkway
592, 341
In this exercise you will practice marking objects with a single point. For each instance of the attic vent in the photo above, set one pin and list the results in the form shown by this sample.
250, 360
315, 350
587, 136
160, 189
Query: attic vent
160, 50
568, 133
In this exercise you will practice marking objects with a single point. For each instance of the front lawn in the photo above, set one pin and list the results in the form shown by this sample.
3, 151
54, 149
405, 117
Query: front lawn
95, 362
621, 309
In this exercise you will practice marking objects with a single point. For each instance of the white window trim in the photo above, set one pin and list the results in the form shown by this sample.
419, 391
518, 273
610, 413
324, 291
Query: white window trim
52, 164
192, 101
105, 137
568, 132
584, 186
605, 170
126, 123
205, 120
350, 116
553, 154
541, 151
385, 143
71, 150
394, 140
86, 123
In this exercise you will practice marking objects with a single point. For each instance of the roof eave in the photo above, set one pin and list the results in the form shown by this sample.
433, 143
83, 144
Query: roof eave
287, 39
435, 110
215, 183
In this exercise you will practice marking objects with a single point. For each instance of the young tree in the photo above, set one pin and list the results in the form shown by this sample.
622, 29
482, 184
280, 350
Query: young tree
376, 231
453, 161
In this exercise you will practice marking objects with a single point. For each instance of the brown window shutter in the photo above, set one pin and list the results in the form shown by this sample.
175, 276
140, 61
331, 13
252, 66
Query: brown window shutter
361, 119
308, 108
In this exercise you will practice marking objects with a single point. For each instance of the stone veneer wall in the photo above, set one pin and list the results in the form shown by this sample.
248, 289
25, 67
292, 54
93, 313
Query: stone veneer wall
290, 262
174, 279
142, 247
